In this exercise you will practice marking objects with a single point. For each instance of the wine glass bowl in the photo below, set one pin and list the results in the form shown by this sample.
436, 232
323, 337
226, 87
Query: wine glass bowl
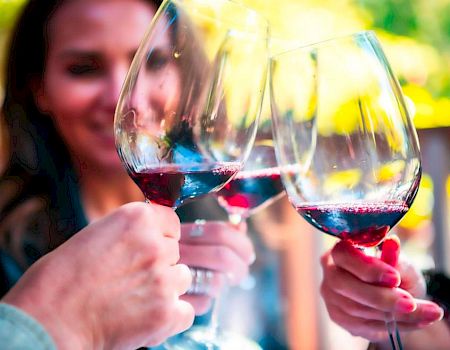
348, 151
179, 122
256, 185
345, 141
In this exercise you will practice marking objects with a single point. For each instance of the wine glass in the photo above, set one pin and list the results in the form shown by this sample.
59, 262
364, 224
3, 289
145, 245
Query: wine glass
347, 148
253, 188
188, 111
258, 184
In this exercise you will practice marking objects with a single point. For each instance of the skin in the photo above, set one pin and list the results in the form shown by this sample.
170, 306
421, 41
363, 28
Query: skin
127, 258
89, 53
359, 290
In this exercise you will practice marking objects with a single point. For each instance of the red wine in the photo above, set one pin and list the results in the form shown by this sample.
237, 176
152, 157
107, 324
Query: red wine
364, 225
250, 189
172, 185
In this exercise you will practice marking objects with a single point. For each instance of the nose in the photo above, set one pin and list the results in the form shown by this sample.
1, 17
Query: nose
113, 87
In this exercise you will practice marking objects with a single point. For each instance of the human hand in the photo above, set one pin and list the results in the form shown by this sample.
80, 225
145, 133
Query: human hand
359, 291
218, 246
114, 285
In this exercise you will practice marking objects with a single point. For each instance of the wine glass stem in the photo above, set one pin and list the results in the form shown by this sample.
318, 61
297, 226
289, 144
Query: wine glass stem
214, 322
394, 335
390, 322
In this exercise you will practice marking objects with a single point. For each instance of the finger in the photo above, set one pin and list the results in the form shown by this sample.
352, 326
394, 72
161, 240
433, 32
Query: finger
351, 307
366, 268
391, 251
218, 258
427, 312
370, 329
377, 297
220, 233
167, 251
201, 303
181, 277
373, 330
166, 217
184, 315
181, 318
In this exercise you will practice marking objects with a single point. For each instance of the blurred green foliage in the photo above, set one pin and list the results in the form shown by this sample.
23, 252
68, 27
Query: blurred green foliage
395, 16
8, 11
425, 21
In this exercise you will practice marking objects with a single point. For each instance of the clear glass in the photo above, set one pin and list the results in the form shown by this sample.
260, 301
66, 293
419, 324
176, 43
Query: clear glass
348, 151
187, 114
253, 188
258, 184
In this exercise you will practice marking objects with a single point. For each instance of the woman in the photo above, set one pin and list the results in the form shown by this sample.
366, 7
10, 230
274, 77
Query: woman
65, 69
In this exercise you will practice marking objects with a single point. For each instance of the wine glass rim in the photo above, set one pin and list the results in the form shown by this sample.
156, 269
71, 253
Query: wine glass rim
325, 42
239, 27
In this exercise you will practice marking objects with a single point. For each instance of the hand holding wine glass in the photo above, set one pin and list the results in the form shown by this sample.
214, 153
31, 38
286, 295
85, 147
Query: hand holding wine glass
347, 148
358, 282
184, 125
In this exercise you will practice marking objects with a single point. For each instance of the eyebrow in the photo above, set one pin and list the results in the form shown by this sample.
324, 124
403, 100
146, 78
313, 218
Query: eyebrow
89, 54
78, 52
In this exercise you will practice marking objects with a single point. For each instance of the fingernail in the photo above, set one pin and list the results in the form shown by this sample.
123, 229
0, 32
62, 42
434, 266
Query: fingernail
405, 304
433, 313
252, 259
390, 278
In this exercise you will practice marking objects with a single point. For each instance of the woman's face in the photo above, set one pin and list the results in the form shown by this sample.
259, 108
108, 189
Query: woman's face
90, 46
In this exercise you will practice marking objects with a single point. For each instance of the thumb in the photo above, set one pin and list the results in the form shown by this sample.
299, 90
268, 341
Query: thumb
390, 250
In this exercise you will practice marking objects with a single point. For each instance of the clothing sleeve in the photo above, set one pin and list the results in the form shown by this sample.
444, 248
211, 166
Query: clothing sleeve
19, 331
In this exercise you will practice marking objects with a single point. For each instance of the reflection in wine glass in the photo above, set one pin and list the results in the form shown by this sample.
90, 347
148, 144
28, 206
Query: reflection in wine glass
347, 149
187, 114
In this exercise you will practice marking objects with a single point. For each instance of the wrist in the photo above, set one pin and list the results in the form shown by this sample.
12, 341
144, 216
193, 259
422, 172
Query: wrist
56, 311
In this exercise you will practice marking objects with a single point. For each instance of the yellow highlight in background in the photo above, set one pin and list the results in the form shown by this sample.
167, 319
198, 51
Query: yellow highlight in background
342, 180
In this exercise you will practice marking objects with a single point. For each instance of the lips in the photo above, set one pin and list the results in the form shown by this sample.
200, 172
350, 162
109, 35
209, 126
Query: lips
105, 135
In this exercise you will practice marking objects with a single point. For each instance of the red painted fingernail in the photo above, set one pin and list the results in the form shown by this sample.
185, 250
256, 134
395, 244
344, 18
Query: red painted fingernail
405, 304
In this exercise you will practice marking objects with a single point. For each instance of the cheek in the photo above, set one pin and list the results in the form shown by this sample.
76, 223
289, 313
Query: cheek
69, 97
69, 102
171, 92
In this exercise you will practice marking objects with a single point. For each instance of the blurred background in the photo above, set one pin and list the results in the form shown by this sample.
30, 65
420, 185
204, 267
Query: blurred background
416, 37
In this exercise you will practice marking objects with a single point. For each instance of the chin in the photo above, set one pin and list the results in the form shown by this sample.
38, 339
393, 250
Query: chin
110, 163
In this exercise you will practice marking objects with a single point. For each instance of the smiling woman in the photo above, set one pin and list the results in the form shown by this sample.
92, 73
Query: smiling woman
85, 67
60, 103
